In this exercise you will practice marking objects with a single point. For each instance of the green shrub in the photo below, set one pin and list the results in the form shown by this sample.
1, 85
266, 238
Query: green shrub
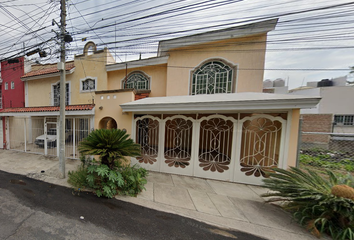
308, 196
134, 180
112, 146
109, 182
104, 180
326, 161
78, 178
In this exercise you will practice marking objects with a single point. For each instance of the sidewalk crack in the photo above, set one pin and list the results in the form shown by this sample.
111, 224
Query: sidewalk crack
24, 220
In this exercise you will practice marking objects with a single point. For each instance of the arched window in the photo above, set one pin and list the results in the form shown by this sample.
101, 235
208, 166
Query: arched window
137, 80
212, 77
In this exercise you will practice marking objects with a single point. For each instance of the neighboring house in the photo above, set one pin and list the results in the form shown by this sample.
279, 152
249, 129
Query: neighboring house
334, 114
12, 89
40, 116
337, 101
276, 86
196, 109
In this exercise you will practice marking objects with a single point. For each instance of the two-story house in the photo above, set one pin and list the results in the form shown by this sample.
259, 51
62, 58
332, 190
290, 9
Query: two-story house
11, 89
205, 114
34, 128
196, 109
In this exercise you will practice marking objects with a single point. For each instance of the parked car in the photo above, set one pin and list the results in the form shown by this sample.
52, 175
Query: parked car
52, 138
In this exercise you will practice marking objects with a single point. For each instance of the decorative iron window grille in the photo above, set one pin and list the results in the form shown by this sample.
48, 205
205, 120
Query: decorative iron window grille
137, 80
212, 77
88, 85
56, 94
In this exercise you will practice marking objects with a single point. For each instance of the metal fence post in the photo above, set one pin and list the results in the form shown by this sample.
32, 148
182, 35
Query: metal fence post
299, 143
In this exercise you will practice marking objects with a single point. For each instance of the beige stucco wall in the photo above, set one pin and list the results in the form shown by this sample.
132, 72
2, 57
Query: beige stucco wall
157, 74
40, 90
111, 108
246, 53
293, 138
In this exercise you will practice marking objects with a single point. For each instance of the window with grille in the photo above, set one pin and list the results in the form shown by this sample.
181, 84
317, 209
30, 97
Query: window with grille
88, 85
212, 77
56, 94
347, 120
6, 86
137, 80
12, 85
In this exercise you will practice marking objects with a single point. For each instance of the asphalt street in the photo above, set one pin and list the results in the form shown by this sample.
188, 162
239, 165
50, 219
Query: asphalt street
32, 209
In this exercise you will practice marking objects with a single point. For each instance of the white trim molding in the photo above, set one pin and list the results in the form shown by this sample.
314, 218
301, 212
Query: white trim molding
137, 63
87, 78
52, 113
209, 103
52, 92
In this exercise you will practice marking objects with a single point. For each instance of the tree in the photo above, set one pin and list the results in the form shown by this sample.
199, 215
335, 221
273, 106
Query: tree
112, 145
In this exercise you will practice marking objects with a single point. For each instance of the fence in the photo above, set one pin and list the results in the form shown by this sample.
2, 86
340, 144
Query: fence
338, 143
39, 135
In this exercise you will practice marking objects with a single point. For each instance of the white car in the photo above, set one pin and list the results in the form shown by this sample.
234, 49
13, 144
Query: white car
52, 138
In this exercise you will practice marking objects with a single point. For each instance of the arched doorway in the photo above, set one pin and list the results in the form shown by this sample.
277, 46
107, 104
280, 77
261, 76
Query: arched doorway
108, 123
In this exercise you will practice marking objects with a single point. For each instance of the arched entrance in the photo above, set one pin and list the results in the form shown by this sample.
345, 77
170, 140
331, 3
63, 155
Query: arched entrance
108, 123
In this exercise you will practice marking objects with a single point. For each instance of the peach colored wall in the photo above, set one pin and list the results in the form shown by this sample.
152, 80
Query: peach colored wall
40, 90
112, 109
293, 138
247, 53
157, 73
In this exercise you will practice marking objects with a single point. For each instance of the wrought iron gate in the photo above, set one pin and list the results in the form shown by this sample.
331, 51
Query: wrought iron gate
216, 146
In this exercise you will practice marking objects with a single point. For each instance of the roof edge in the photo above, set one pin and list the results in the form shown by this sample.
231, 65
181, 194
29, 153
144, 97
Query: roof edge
217, 35
137, 63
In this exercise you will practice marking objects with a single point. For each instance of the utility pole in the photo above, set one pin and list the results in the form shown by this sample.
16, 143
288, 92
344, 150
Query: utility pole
61, 67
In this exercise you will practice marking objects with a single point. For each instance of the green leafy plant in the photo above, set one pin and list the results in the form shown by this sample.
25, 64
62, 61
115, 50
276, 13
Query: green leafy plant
134, 180
104, 180
78, 178
326, 161
109, 176
112, 145
315, 201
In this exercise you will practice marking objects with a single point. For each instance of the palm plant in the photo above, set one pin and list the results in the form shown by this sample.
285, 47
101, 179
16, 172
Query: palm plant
351, 69
112, 145
322, 204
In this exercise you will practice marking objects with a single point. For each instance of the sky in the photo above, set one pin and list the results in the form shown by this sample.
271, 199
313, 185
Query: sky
313, 39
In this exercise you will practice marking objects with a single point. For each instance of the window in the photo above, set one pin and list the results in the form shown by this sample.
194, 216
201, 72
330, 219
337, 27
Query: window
56, 94
347, 120
88, 84
0, 98
12, 85
212, 77
137, 80
6, 86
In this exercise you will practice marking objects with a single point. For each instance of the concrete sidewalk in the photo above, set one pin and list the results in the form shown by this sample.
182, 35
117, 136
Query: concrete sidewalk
223, 204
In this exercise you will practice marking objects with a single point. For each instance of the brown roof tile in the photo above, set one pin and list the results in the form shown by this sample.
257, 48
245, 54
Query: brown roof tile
43, 71
48, 109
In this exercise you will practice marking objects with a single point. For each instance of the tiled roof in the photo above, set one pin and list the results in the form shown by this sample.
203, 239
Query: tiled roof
48, 109
43, 71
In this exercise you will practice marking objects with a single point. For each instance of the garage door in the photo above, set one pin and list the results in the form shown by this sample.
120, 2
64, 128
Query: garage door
216, 146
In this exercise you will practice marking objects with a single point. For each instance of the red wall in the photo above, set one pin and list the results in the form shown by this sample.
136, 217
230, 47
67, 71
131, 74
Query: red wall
13, 72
